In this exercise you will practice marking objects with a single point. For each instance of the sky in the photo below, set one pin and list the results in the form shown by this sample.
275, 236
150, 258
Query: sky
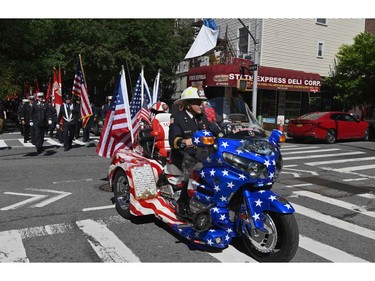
190, 9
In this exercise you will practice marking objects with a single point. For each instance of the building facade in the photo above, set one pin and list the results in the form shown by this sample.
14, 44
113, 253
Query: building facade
294, 55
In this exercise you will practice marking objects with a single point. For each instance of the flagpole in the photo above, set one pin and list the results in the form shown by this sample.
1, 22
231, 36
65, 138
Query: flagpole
126, 103
156, 90
142, 88
83, 73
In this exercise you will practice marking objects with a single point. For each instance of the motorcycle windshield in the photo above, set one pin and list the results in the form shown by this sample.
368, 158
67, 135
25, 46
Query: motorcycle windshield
234, 117
260, 146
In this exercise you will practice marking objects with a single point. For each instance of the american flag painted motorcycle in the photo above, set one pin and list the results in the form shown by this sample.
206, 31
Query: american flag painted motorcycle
230, 194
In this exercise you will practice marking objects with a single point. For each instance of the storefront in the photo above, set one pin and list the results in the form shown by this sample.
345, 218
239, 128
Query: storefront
282, 93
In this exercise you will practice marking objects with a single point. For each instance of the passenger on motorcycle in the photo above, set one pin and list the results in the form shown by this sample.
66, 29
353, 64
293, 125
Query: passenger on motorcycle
183, 124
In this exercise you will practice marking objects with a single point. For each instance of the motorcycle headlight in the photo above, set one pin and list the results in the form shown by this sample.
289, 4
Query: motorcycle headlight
255, 169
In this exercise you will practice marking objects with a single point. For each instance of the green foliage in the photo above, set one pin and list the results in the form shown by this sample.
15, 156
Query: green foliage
30, 48
354, 75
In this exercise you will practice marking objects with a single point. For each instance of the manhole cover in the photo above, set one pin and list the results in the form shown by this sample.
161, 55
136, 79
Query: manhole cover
105, 187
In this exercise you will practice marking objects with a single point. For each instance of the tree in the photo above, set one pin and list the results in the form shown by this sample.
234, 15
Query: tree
353, 78
30, 48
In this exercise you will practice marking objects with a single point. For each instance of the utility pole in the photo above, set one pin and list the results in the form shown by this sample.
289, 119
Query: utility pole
256, 62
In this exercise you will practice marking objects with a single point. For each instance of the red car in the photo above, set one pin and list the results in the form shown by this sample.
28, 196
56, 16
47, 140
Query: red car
328, 126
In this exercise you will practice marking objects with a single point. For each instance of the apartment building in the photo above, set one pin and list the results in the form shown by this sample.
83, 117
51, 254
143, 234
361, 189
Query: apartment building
294, 55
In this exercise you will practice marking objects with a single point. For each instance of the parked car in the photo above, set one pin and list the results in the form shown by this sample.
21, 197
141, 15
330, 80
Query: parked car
328, 126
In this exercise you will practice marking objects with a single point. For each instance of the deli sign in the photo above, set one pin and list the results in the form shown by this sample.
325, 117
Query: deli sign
268, 78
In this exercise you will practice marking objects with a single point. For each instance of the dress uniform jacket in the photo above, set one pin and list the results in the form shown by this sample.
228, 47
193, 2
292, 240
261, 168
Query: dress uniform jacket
182, 126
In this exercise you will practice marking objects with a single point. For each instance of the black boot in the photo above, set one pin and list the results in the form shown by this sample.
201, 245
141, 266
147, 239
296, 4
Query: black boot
183, 208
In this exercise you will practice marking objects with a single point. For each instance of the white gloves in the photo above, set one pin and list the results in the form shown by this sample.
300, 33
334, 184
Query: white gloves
31, 124
49, 122
57, 126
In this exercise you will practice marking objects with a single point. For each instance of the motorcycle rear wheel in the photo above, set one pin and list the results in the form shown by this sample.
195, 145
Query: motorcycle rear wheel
280, 245
122, 194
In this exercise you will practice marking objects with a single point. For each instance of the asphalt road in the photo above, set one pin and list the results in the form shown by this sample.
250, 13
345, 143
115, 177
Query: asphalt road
54, 208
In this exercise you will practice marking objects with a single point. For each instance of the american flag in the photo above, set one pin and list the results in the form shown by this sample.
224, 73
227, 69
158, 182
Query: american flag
80, 89
115, 132
139, 105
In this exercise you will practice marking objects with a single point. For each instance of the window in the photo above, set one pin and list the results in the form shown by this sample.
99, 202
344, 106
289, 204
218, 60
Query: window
320, 52
321, 21
243, 41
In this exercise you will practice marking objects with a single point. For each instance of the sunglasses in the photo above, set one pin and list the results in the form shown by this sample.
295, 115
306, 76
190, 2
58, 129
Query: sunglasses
196, 102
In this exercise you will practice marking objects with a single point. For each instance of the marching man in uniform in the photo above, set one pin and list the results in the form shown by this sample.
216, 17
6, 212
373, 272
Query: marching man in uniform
69, 112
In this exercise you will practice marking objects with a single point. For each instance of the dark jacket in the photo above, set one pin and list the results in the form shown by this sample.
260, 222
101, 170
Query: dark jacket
182, 126
25, 113
40, 114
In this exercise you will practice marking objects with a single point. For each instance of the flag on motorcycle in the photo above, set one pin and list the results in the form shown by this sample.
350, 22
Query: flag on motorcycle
80, 89
155, 89
116, 125
139, 105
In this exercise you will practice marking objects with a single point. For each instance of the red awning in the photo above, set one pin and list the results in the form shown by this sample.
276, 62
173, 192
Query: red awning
227, 75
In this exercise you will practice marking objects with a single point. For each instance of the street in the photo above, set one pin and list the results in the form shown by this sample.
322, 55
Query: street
54, 207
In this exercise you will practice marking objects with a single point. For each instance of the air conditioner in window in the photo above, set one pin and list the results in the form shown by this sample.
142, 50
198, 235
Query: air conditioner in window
246, 56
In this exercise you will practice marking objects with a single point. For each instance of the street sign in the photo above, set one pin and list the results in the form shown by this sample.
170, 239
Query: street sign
253, 67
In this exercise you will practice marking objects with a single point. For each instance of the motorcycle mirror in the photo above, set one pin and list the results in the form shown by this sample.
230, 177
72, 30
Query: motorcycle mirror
277, 136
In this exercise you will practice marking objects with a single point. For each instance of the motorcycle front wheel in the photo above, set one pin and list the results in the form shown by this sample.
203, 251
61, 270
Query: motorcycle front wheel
122, 194
279, 244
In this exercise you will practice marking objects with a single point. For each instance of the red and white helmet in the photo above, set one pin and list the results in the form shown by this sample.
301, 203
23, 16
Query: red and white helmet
159, 107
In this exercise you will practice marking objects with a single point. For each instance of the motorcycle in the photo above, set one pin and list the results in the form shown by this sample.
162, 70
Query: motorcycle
229, 188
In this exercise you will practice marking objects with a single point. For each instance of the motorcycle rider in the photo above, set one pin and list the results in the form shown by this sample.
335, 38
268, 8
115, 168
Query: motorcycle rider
183, 124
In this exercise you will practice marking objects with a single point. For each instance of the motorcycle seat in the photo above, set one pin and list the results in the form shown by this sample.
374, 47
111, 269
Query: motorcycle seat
160, 131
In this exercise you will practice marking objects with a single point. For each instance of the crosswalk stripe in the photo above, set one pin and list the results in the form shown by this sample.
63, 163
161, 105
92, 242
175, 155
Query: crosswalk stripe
28, 144
106, 244
352, 169
310, 151
339, 161
326, 251
339, 203
53, 142
334, 221
231, 254
297, 148
12, 248
3, 144
323, 155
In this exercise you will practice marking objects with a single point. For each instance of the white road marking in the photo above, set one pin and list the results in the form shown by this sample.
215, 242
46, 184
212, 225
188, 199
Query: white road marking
351, 169
367, 195
296, 148
231, 254
28, 144
310, 151
35, 197
339, 203
3, 144
339, 161
105, 243
323, 155
53, 142
334, 221
326, 251
303, 171
98, 208
61, 195
359, 179
12, 248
